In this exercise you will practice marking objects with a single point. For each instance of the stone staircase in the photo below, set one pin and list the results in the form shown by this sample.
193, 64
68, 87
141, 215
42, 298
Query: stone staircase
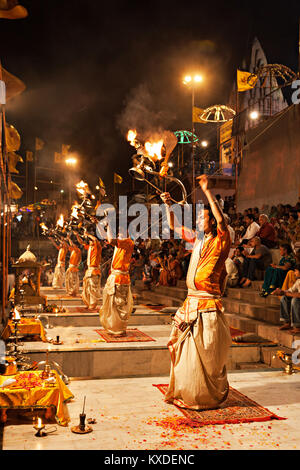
83, 354
244, 310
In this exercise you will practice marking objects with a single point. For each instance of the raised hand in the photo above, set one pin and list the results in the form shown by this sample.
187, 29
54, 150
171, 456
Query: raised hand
203, 182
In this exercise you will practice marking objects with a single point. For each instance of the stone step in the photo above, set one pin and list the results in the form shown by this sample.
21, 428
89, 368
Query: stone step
141, 316
253, 297
262, 329
162, 299
258, 312
256, 285
177, 292
63, 300
81, 355
252, 366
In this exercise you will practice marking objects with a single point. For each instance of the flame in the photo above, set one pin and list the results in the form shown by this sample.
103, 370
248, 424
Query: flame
16, 314
82, 188
39, 422
131, 137
154, 149
60, 221
43, 226
74, 212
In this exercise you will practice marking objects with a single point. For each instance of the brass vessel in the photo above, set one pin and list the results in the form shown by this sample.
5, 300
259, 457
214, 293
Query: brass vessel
11, 366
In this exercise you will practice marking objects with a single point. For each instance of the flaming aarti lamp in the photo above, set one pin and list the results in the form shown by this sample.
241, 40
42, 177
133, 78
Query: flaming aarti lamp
39, 426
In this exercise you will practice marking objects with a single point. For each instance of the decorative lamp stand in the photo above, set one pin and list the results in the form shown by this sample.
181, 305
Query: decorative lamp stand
27, 285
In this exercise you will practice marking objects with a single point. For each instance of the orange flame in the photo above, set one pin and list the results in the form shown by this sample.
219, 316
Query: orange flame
82, 188
60, 221
43, 226
74, 212
131, 137
154, 149
16, 315
39, 423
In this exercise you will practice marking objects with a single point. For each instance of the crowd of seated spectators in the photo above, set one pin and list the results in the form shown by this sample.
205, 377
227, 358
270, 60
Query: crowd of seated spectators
254, 233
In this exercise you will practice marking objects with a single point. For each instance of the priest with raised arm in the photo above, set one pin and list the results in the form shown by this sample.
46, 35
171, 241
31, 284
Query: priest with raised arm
117, 303
200, 339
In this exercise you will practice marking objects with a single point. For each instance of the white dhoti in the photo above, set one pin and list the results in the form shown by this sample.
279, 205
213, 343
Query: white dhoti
117, 305
91, 288
59, 276
198, 378
72, 281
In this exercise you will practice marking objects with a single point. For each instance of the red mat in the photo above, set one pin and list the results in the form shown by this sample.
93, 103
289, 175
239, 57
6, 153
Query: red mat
235, 332
237, 408
132, 335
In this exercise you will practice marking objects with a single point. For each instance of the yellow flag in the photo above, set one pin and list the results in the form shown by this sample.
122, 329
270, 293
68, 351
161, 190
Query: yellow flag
14, 191
197, 112
65, 149
243, 81
117, 178
57, 157
101, 184
29, 156
13, 159
39, 144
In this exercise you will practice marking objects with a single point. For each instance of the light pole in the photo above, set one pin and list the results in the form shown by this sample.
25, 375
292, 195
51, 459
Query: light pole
192, 81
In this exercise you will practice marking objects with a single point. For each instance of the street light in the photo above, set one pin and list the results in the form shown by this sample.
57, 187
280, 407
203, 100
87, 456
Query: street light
71, 161
204, 143
254, 115
192, 81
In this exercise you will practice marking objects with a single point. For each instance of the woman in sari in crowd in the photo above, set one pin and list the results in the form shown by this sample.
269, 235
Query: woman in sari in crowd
275, 274
290, 278
164, 276
174, 269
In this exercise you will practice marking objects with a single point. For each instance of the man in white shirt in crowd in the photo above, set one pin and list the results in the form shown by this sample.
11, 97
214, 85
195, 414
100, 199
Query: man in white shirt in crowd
220, 200
252, 229
290, 305
230, 229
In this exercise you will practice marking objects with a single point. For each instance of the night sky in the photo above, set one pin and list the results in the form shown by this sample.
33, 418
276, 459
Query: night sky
94, 68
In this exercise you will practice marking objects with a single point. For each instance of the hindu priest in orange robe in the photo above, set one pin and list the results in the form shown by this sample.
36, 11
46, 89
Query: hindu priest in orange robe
59, 271
200, 338
117, 303
72, 273
91, 288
